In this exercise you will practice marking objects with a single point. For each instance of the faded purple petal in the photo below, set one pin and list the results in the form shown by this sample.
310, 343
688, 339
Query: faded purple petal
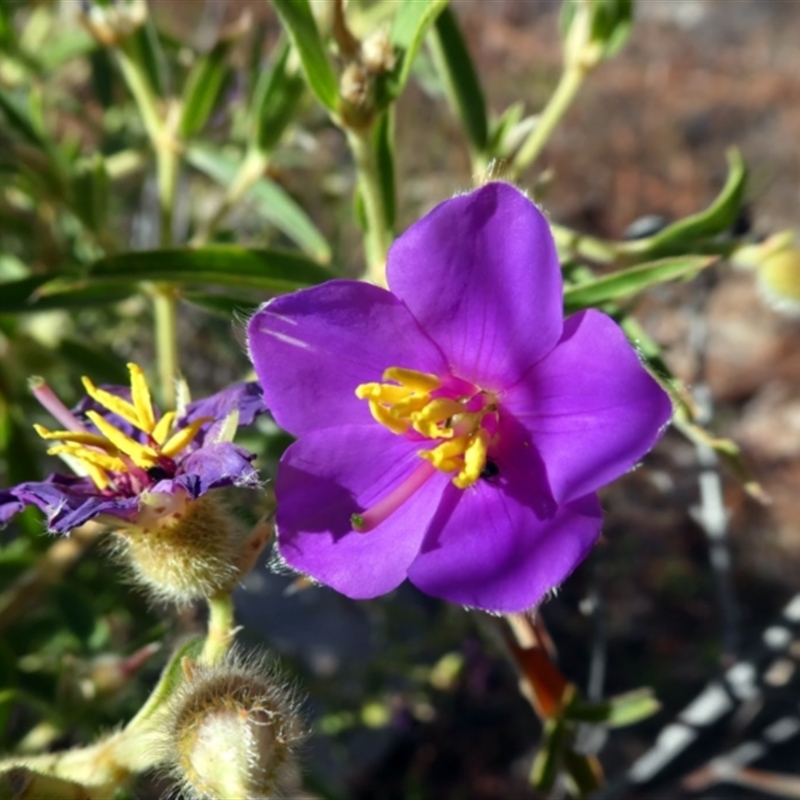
330, 474
487, 549
246, 398
212, 466
591, 408
481, 275
311, 349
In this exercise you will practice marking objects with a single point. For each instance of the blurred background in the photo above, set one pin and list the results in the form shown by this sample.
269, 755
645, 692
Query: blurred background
411, 698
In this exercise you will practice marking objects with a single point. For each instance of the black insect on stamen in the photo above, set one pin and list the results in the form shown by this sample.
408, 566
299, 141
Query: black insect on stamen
157, 473
490, 470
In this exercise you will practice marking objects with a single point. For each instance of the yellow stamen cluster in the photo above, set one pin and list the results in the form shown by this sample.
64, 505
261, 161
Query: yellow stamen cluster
110, 450
407, 404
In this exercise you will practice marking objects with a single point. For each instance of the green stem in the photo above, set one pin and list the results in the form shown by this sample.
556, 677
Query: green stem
377, 237
220, 628
165, 309
571, 80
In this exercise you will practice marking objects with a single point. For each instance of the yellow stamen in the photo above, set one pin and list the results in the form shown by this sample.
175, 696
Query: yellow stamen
140, 394
163, 427
426, 420
142, 456
418, 381
111, 402
384, 416
95, 457
382, 392
79, 437
474, 459
183, 437
446, 452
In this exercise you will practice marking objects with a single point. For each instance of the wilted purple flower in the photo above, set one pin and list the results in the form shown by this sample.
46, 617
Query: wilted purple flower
136, 466
453, 430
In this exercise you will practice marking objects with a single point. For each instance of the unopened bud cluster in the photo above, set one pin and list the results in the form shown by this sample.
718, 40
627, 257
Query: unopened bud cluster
233, 731
374, 57
110, 24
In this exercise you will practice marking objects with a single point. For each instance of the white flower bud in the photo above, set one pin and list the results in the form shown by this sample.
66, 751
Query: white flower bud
234, 727
377, 53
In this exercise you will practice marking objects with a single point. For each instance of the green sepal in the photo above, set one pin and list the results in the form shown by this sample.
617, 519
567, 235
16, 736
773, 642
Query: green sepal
616, 712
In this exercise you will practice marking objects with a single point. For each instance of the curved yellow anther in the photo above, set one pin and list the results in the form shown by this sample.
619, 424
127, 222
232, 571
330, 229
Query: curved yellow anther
142, 456
183, 437
111, 402
95, 457
474, 459
446, 452
79, 437
382, 392
140, 394
384, 416
163, 427
426, 421
418, 381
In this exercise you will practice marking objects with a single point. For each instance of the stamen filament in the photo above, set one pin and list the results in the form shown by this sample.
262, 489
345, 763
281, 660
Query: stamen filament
386, 506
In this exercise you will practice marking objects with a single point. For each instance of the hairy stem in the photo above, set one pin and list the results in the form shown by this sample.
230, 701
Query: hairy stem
220, 628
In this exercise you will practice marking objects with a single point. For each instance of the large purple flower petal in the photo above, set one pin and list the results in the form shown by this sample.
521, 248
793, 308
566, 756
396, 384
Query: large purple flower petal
481, 275
489, 549
591, 408
330, 474
311, 349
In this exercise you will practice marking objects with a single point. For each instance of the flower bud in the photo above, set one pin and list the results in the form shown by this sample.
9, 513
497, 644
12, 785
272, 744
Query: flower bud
377, 53
777, 264
357, 92
110, 24
182, 550
233, 730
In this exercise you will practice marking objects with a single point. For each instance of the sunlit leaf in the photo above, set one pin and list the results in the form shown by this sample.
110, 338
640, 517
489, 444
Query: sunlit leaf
627, 282
299, 22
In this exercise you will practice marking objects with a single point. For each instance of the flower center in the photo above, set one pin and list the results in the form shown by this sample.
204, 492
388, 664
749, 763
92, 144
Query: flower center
459, 416
110, 451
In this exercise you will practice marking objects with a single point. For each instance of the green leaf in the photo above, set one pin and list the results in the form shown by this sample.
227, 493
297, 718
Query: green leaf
383, 142
66, 46
299, 22
627, 282
204, 86
547, 763
274, 203
411, 23
144, 47
221, 305
460, 79
27, 295
90, 192
606, 30
171, 678
17, 439
100, 365
616, 712
21, 122
718, 217
584, 771
275, 98
215, 265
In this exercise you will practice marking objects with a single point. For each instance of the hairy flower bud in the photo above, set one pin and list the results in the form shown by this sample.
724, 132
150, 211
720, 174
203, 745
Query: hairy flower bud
377, 52
182, 550
233, 730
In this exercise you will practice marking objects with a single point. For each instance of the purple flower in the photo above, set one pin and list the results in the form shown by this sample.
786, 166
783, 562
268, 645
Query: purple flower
137, 467
454, 430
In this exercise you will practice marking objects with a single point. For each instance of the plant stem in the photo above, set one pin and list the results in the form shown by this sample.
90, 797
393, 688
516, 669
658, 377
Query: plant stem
220, 628
571, 79
377, 237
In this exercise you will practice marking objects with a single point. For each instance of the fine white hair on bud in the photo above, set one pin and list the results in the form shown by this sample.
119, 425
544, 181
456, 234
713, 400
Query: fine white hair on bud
233, 731
186, 552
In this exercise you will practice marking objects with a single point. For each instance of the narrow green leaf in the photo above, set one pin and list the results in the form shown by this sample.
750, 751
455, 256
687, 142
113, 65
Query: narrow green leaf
221, 305
20, 121
215, 265
627, 282
616, 712
66, 46
273, 201
460, 79
204, 86
584, 772
299, 22
718, 217
90, 192
383, 142
144, 47
275, 98
99, 364
26, 295
411, 23
547, 763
